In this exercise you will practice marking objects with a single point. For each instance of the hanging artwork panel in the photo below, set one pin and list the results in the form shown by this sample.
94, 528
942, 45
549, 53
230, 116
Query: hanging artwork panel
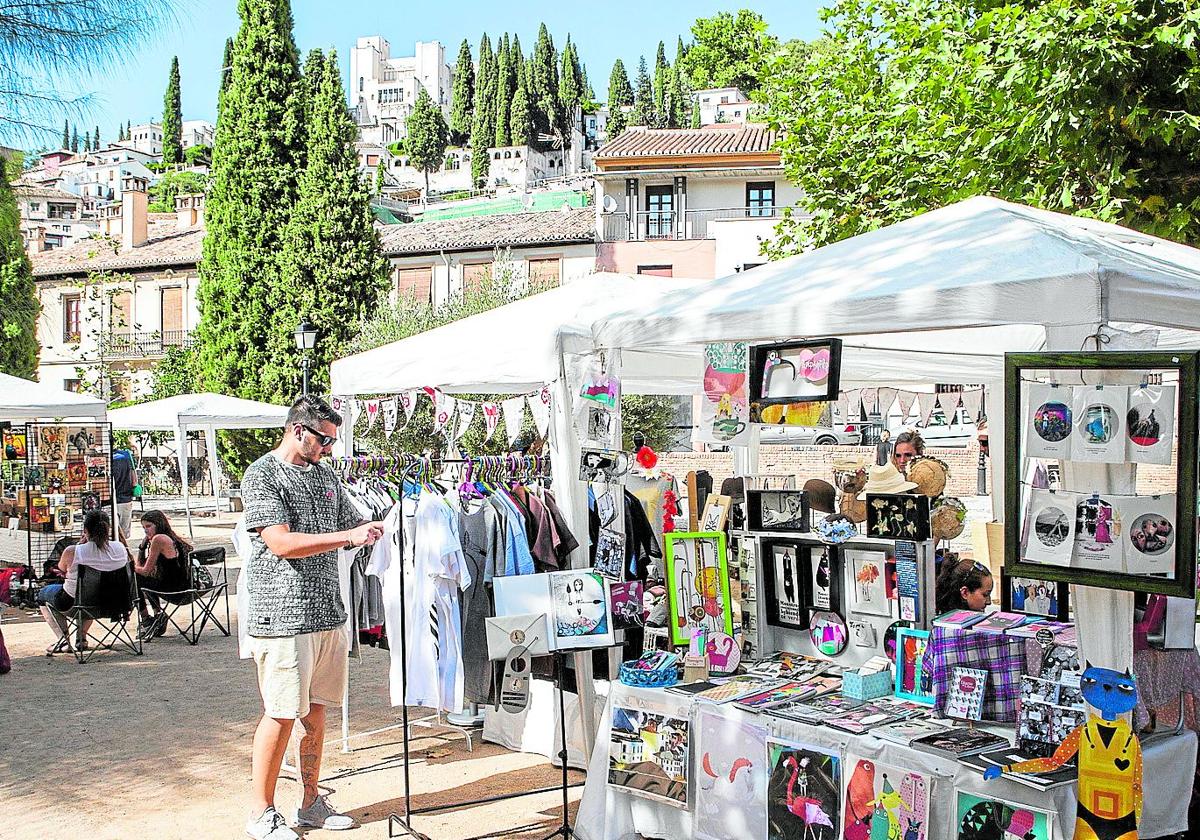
898, 516
1150, 424
803, 792
913, 681
731, 777
627, 609
1148, 534
725, 404
610, 554
1097, 534
582, 611
1049, 421
1099, 414
868, 584
1050, 529
777, 510
824, 582
697, 584
786, 578
882, 800
648, 755
51, 444
987, 818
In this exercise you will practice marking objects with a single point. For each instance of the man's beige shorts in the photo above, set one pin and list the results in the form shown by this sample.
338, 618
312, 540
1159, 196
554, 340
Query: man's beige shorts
294, 671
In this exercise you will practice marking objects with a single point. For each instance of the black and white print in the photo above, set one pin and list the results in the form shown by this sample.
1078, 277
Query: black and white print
1050, 527
610, 555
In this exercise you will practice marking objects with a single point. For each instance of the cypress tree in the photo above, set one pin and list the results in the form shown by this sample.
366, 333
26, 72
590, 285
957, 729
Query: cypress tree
256, 158
695, 123
520, 117
462, 96
96, 139
643, 97
226, 66
662, 109
335, 272
172, 124
570, 84
517, 59
129, 129
620, 93
674, 101
66, 138
506, 85
483, 127
18, 295
588, 91
427, 136
543, 85
75, 138
377, 187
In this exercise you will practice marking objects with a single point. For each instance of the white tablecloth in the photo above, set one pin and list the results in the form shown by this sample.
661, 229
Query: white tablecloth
607, 813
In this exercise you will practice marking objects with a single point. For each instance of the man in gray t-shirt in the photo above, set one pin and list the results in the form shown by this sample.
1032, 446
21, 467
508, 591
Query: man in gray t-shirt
298, 516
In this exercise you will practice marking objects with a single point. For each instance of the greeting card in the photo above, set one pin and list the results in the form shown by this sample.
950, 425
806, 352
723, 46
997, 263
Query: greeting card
1150, 424
1148, 535
1049, 421
1050, 527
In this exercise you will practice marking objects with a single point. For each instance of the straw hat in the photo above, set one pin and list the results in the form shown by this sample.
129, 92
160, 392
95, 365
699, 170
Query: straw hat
948, 519
885, 479
852, 507
930, 475
821, 495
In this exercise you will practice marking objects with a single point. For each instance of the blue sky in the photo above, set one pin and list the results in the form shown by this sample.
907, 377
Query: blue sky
604, 32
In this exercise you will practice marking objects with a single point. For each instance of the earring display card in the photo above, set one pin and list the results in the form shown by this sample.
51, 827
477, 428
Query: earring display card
1150, 424
1098, 413
1049, 421
898, 516
1050, 530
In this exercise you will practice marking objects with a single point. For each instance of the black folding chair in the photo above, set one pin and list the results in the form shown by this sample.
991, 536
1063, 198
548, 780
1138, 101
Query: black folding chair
110, 601
208, 582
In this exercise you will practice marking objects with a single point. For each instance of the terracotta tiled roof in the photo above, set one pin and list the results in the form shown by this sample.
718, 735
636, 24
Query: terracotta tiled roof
471, 232
713, 141
164, 248
28, 190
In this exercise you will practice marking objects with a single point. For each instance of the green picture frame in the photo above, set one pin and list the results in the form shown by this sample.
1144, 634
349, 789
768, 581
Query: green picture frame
1017, 367
694, 599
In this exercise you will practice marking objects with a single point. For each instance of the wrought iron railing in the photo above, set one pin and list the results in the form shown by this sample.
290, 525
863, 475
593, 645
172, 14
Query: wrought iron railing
138, 345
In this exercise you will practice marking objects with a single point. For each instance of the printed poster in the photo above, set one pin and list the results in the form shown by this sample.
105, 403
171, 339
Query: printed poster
1097, 534
1049, 422
1050, 528
1149, 534
1099, 413
869, 587
1150, 424
789, 594
731, 777
984, 818
884, 801
803, 792
648, 755
582, 611
725, 406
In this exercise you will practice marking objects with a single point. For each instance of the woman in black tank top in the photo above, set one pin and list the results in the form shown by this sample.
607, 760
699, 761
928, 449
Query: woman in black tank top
161, 565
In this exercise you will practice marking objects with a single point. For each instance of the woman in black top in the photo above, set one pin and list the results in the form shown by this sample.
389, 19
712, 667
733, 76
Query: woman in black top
161, 565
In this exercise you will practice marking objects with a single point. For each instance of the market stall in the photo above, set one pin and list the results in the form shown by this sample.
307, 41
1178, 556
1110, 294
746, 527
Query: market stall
198, 412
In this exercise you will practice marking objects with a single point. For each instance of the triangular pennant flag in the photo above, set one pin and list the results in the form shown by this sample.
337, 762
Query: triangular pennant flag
949, 403
972, 403
372, 413
356, 410
514, 414
336, 404
925, 405
443, 410
466, 414
539, 407
408, 399
390, 413
854, 411
887, 396
906, 399
870, 400
491, 419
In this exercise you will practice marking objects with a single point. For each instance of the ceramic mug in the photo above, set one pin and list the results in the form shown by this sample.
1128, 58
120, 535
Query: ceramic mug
727, 428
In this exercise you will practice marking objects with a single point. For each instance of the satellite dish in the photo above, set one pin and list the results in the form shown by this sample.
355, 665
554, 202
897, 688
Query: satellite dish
610, 204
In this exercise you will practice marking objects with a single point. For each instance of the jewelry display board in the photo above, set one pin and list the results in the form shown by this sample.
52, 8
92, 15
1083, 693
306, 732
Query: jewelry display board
1102, 410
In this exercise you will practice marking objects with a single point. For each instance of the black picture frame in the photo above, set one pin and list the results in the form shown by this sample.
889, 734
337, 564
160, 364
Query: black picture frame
760, 501
760, 353
812, 563
771, 557
914, 508
1024, 366
1062, 597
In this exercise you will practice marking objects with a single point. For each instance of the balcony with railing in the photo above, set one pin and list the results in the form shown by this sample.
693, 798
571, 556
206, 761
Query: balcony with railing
142, 345
664, 224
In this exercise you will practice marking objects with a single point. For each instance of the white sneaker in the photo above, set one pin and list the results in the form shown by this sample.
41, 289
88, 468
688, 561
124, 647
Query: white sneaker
320, 814
270, 826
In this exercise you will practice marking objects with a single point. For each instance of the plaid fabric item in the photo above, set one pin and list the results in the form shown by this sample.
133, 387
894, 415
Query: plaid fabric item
1001, 657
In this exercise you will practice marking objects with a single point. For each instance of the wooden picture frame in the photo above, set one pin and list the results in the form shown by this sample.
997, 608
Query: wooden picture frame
1059, 610
764, 509
786, 580
716, 513
898, 516
806, 360
697, 572
1085, 368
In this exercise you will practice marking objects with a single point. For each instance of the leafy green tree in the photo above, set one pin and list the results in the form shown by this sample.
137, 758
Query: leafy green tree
662, 74
643, 97
620, 93
462, 96
66, 135
506, 86
1063, 105
653, 416
197, 155
377, 187
172, 124
729, 50
517, 59
427, 138
336, 271
164, 191
483, 126
695, 118
19, 306
521, 116
177, 373
256, 157
570, 85
543, 85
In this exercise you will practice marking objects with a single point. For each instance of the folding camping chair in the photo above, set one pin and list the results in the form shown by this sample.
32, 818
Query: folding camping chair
201, 598
109, 600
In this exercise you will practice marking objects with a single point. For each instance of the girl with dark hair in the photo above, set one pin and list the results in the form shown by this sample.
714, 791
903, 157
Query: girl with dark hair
95, 549
963, 585
161, 565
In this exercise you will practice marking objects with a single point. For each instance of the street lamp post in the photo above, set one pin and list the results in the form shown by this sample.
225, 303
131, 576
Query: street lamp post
306, 340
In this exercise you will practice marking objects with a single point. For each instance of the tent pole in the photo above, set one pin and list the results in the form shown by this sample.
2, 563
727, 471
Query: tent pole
214, 473
181, 455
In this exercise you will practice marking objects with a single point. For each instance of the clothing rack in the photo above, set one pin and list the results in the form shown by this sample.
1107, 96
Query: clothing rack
485, 468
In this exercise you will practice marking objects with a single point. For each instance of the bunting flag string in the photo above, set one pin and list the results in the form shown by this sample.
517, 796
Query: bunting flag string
972, 403
372, 413
390, 413
451, 416
925, 405
949, 404
466, 415
491, 419
408, 399
905, 399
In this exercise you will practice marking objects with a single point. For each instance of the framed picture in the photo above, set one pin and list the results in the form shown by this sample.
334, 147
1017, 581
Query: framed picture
697, 584
794, 372
868, 581
985, 817
898, 516
1032, 596
777, 510
825, 578
786, 576
1073, 407
582, 609
716, 512
913, 681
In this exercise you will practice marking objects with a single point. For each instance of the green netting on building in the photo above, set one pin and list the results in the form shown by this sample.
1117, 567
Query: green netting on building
540, 202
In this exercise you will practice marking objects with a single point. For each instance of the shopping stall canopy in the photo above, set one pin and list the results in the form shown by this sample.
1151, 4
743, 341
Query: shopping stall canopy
21, 399
515, 348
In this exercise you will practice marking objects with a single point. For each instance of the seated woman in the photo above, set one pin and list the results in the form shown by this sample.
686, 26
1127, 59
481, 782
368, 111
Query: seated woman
962, 585
161, 565
96, 550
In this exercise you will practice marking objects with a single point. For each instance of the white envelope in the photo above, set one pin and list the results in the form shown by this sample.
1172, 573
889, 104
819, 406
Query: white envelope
504, 632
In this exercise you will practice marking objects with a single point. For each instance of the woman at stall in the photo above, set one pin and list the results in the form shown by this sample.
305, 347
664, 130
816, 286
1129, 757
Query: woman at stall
161, 566
963, 585
908, 445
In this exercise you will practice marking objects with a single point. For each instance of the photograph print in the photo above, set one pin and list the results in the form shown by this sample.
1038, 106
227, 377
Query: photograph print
1097, 541
1150, 424
1050, 530
1048, 409
787, 576
1099, 413
648, 755
868, 585
803, 792
777, 510
1033, 596
1149, 534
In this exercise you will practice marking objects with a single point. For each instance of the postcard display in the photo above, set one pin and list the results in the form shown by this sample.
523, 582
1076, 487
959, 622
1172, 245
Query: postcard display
1112, 409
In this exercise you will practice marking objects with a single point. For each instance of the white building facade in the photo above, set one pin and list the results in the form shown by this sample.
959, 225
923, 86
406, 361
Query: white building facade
383, 89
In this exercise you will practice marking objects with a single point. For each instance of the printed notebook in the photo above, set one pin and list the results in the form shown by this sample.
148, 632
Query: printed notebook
906, 731
1064, 775
959, 619
967, 689
1001, 622
955, 743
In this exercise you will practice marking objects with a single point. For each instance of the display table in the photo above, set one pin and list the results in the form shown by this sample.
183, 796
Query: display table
606, 813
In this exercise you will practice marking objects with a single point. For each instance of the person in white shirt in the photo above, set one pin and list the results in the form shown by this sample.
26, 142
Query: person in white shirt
96, 550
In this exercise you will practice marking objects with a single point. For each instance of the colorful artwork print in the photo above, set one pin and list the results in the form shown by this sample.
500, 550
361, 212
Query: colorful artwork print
867, 569
697, 585
981, 818
803, 792
582, 610
883, 802
1097, 532
1052, 421
725, 409
1150, 424
827, 632
51, 444
801, 371
648, 755
731, 778
913, 681
1049, 421
1149, 536
1099, 415
627, 609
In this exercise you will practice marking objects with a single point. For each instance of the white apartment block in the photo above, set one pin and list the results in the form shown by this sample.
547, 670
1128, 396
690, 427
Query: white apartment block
198, 133
383, 89
146, 138
724, 105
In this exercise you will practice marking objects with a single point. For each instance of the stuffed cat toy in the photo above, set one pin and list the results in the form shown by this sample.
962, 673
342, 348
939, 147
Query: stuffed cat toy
1110, 760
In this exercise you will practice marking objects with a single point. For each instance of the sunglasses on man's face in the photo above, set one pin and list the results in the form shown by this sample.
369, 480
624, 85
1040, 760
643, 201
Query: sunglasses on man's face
324, 440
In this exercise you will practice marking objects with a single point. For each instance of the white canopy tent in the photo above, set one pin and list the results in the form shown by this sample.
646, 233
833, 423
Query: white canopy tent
941, 298
202, 412
22, 399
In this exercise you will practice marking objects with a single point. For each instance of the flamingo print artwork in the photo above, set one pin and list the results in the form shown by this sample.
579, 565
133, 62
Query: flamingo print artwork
802, 794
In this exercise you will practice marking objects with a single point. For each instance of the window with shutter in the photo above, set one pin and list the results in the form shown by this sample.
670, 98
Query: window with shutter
172, 316
415, 284
546, 272
475, 275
